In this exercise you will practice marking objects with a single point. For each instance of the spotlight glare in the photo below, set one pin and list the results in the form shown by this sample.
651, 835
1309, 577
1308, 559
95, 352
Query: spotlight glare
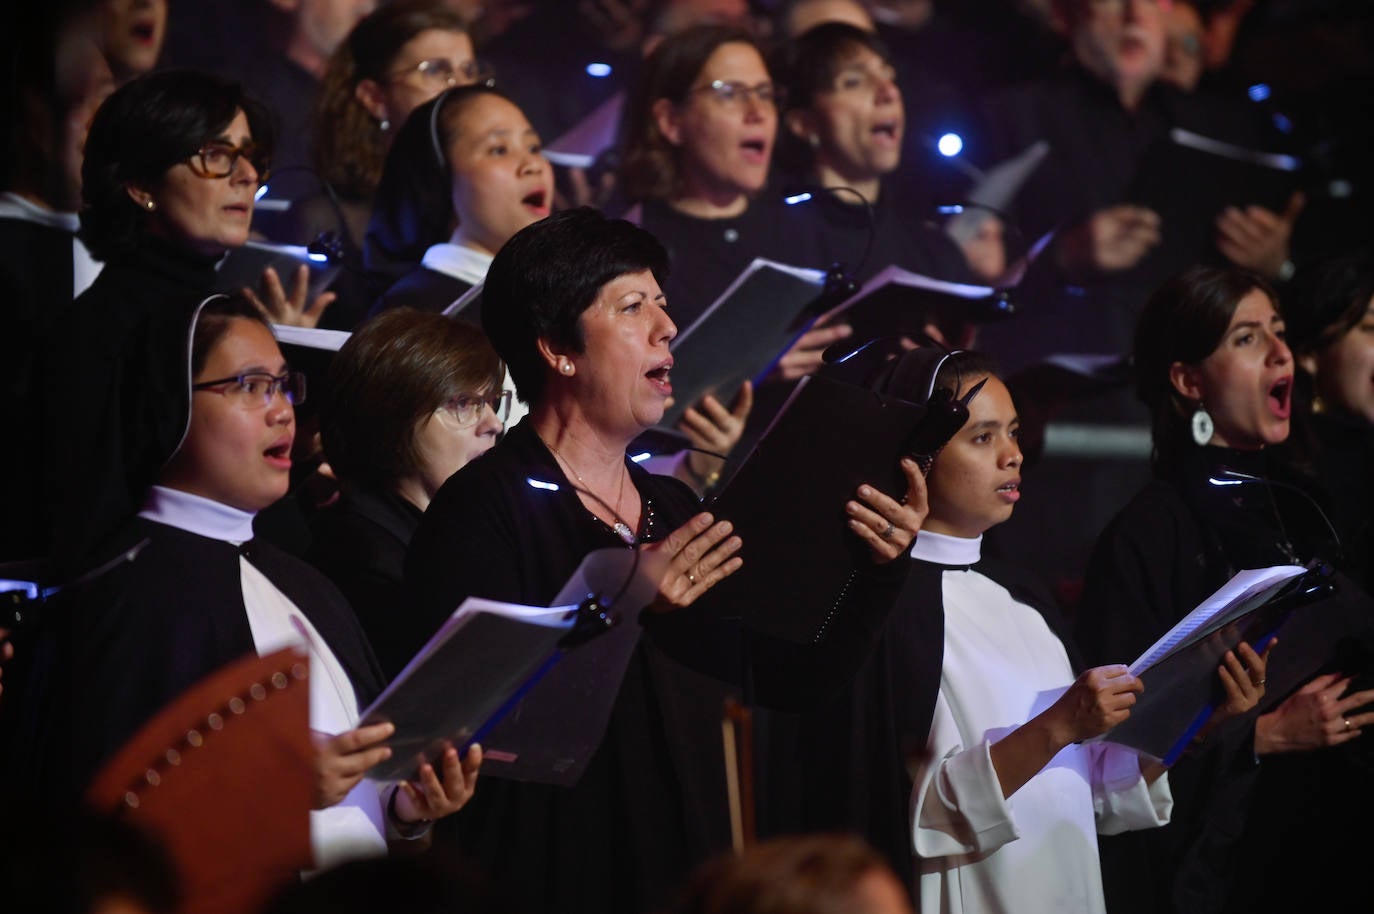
950, 145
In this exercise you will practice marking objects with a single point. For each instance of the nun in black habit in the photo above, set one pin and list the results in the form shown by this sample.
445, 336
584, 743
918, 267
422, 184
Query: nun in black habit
187, 589
925, 752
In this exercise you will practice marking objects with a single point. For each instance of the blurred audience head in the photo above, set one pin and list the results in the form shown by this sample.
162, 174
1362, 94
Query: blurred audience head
845, 117
396, 58
1121, 42
811, 874
801, 16
178, 154
132, 35
318, 27
60, 76
409, 403
465, 167
542, 280
1183, 48
700, 124
1330, 311
1211, 338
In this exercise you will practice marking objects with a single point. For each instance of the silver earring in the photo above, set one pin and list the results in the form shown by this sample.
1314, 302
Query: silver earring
565, 367
1202, 426
384, 125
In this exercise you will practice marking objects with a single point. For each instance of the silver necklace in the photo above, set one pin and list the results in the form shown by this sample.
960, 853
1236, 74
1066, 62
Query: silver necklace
621, 528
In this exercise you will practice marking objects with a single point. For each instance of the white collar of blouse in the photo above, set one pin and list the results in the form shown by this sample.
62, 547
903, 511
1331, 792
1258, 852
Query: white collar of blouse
943, 549
198, 515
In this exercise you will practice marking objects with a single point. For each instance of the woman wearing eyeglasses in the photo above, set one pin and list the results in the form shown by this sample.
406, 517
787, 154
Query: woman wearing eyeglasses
395, 59
412, 397
845, 120
201, 591
699, 132
172, 162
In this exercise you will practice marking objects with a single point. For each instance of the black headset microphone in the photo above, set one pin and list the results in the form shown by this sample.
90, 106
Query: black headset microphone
911, 375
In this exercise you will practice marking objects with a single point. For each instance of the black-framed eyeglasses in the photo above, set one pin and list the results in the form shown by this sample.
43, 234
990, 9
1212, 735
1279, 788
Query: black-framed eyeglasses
737, 94
255, 389
466, 409
218, 159
442, 73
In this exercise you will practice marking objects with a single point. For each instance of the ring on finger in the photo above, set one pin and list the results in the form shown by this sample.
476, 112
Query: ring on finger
1347, 723
887, 533
691, 578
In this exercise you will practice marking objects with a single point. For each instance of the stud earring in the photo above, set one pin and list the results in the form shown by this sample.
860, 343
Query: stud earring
384, 125
1203, 426
565, 367
149, 205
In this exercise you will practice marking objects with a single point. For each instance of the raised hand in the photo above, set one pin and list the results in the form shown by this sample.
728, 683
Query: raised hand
292, 310
888, 526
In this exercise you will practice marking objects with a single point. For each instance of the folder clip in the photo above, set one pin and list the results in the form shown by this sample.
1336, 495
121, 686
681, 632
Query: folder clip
593, 618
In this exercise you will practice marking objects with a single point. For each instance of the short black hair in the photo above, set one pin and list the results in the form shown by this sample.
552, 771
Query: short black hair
549, 272
144, 128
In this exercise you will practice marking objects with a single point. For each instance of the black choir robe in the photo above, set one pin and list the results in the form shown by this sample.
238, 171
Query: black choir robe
112, 396
360, 544
424, 290
1174, 544
652, 800
132, 640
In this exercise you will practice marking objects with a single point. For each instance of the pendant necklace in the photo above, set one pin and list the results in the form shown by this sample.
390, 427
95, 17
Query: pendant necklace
621, 528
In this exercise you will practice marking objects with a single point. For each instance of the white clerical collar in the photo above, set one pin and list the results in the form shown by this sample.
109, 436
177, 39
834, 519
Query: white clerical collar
198, 515
13, 206
459, 262
943, 549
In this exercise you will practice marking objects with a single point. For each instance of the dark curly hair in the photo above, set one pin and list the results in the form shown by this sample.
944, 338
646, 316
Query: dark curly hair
350, 145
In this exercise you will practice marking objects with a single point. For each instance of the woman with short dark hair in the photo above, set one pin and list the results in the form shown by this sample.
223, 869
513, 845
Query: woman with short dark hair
412, 397
196, 590
844, 124
172, 162
574, 305
140, 139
